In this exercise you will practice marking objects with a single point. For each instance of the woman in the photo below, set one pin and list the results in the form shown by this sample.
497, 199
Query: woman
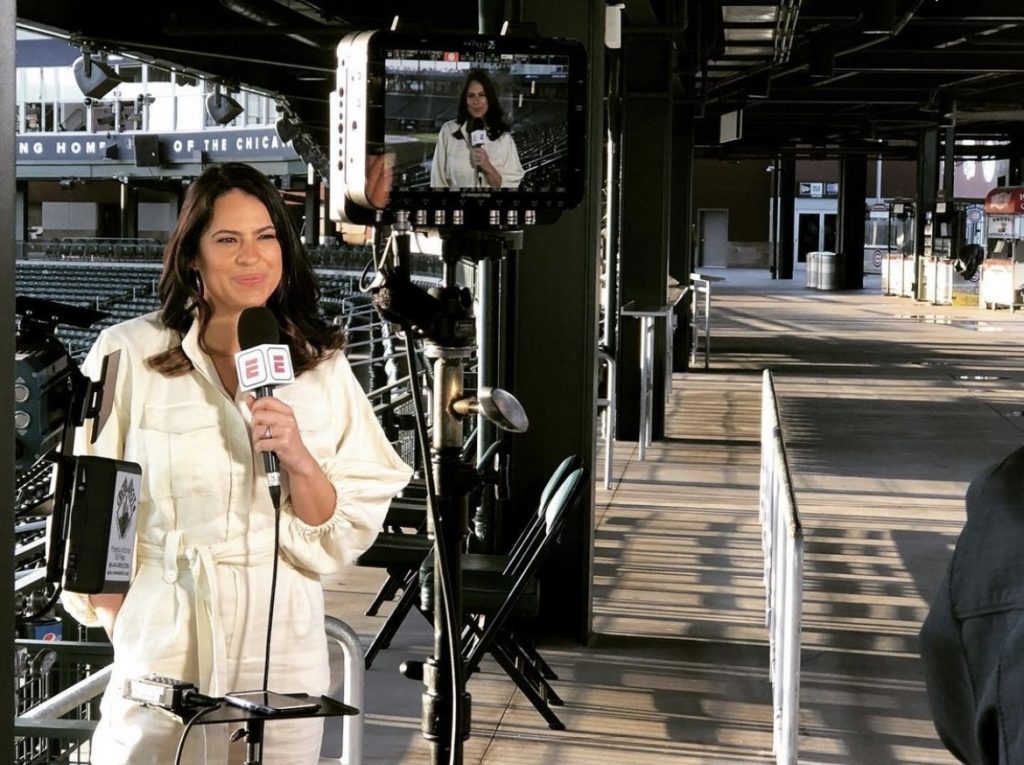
197, 606
476, 150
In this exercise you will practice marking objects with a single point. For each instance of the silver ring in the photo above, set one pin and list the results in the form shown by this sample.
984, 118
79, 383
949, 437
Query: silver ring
268, 433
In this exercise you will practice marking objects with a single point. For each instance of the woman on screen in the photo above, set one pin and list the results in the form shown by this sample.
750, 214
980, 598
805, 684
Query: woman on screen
476, 150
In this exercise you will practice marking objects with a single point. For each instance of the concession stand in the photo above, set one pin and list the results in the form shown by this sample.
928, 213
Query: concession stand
1002, 271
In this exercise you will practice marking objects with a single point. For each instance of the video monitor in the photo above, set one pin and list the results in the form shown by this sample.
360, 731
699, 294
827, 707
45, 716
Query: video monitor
457, 130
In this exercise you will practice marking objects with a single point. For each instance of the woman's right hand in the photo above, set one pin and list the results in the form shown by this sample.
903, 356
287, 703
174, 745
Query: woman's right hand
106, 606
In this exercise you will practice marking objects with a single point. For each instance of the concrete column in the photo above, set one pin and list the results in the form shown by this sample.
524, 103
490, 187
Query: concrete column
1016, 174
555, 339
853, 187
646, 194
7, 349
129, 209
787, 214
927, 186
311, 228
680, 252
21, 205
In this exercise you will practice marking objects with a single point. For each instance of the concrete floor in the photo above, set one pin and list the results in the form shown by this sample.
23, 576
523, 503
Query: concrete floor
889, 408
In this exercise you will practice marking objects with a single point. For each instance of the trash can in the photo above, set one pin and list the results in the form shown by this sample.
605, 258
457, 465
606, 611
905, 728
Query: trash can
827, 271
812, 270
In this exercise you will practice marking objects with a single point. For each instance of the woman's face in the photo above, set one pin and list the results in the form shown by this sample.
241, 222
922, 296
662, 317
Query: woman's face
239, 254
476, 99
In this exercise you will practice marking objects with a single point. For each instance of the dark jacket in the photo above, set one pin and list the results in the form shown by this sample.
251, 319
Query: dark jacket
972, 642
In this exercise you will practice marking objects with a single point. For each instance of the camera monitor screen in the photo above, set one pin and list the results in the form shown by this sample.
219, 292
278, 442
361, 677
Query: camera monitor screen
459, 130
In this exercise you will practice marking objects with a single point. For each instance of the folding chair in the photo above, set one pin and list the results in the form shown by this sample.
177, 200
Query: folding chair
496, 588
401, 553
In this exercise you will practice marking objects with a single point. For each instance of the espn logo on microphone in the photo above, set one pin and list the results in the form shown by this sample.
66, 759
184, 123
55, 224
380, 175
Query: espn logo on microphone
264, 365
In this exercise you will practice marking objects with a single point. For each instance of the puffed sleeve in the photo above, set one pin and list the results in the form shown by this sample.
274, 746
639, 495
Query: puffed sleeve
511, 168
366, 473
109, 443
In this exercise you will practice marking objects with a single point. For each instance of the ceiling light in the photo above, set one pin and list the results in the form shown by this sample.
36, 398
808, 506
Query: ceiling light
95, 78
222, 108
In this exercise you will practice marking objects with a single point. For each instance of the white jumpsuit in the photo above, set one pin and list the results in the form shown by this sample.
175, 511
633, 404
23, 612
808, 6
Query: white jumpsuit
197, 606
452, 167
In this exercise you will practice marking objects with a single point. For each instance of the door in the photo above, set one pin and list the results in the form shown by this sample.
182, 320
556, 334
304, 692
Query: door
808, 235
828, 232
714, 238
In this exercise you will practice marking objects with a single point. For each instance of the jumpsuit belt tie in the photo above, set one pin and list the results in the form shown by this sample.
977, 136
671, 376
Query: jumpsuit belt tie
202, 561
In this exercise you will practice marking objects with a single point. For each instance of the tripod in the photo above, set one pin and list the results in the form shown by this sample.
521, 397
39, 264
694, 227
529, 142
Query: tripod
443, 318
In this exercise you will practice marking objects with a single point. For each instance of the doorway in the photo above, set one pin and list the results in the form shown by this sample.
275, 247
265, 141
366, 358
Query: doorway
815, 232
714, 238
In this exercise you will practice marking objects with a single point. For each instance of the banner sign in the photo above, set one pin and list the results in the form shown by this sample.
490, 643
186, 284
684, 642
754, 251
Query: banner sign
175, 148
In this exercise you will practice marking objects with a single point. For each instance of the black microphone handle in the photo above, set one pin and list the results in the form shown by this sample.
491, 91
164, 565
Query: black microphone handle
271, 464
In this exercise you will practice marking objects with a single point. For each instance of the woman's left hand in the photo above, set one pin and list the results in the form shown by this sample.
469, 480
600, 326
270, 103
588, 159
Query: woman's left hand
274, 429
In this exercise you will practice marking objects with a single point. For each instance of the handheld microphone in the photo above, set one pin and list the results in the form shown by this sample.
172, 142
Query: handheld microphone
262, 364
477, 132
477, 137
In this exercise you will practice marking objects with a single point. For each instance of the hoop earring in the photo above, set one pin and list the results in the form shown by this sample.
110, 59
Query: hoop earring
197, 282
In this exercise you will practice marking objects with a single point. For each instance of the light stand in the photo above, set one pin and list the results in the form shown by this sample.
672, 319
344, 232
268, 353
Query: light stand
444, 319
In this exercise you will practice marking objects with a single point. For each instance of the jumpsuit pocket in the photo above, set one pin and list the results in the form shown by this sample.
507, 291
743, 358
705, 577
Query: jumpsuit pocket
183, 443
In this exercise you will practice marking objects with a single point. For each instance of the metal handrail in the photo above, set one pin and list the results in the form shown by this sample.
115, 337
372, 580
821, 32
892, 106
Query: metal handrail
70, 699
353, 693
353, 690
783, 546
608, 405
700, 286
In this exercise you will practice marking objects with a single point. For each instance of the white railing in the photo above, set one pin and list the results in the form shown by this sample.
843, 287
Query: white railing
606, 405
783, 544
700, 317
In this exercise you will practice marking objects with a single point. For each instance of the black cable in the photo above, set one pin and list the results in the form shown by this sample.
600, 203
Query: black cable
454, 648
185, 732
276, 499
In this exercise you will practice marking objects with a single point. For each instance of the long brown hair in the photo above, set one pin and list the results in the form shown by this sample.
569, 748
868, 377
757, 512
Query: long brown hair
295, 300
494, 118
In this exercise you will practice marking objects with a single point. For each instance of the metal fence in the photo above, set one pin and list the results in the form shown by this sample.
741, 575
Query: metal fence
783, 544
57, 688
60, 683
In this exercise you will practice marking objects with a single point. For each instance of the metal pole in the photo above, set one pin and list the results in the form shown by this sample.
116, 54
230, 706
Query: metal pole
444, 672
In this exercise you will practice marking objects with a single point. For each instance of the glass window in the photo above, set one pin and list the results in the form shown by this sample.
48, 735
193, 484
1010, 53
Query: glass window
156, 74
130, 72
131, 116
73, 116
33, 117
103, 116
253, 104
